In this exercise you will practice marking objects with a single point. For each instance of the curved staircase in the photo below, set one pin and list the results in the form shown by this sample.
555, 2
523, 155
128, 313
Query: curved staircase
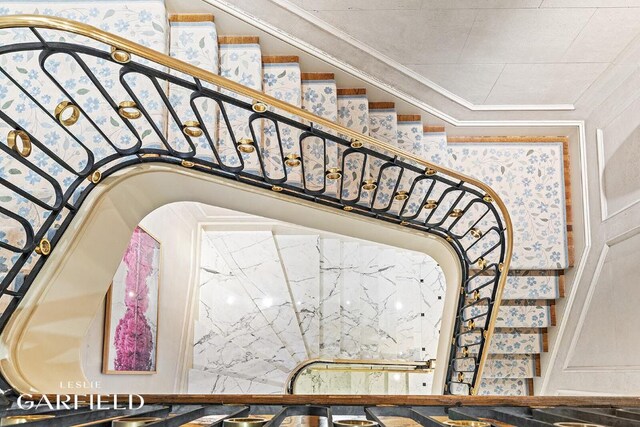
266, 145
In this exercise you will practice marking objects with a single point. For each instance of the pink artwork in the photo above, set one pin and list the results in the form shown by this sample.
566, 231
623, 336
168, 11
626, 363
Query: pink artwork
132, 308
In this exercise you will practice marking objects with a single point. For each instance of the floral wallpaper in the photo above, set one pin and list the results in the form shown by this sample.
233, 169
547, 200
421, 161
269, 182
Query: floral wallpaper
503, 387
530, 179
384, 127
353, 113
510, 366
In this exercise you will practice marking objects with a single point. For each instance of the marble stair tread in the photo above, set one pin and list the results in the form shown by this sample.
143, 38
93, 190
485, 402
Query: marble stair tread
504, 387
281, 78
532, 286
510, 366
330, 289
214, 351
204, 382
525, 314
227, 306
300, 257
254, 259
193, 39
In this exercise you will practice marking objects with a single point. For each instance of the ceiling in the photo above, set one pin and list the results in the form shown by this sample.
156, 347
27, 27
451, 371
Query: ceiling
494, 51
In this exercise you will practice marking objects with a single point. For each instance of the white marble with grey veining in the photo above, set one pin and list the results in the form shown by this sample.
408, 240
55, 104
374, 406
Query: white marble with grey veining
350, 301
408, 302
253, 258
330, 283
300, 257
432, 291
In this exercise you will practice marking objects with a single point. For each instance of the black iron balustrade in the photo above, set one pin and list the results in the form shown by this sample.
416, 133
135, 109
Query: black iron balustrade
386, 183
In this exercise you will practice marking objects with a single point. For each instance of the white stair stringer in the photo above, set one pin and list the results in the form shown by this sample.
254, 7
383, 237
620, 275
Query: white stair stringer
300, 257
253, 258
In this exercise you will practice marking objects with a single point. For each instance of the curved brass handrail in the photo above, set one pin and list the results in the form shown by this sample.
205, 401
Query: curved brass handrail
419, 366
120, 43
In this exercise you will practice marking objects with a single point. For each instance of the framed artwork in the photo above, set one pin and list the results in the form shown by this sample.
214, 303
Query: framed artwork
131, 315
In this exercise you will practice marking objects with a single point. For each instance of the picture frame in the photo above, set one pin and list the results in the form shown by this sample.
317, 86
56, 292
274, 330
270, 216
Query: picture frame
132, 309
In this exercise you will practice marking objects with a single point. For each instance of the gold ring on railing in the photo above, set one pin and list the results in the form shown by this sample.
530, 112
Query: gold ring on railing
354, 423
356, 143
62, 108
466, 423
245, 145
259, 107
482, 263
487, 198
95, 177
460, 377
333, 173
347, 208
475, 232
44, 247
119, 55
431, 204
134, 422
244, 422
500, 267
401, 195
192, 128
292, 160
465, 351
476, 295
471, 324
23, 419
187, 164
369, 185
129, 110
430, 171
25, 140
277, 188
456, 213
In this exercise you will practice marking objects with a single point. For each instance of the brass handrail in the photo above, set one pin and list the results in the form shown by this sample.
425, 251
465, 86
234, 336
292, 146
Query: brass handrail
123, 44
418, 366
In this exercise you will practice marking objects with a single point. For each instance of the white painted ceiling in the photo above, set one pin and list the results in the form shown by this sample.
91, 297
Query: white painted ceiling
494, 51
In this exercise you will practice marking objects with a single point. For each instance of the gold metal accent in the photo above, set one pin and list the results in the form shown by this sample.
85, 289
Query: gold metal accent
460, 377
44, 247
95, 177
23, 419
484, 334
475, 232
500, 267
476, 295
465, 351
576, 424
62, 108
487, 198
348, 208
333, 173
404, 223
449, 239
134, 422
126, 45
456, 213
431, 204
259, 107
292, 160
245, 145
187, 164
369, 185
12, 142
466, 423
277, 188
430, 171
355, 423
192, 128
119, 55
129, 110
482, 263
356, 143
401, 195
471, 324
244, 422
